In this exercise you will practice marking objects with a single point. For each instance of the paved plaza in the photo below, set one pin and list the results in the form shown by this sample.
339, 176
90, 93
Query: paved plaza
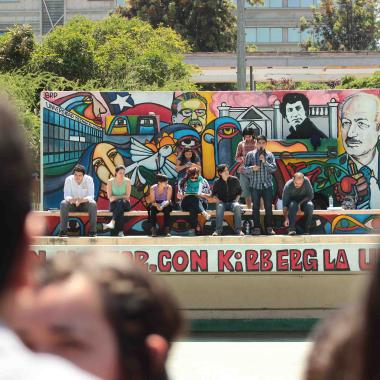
262, 357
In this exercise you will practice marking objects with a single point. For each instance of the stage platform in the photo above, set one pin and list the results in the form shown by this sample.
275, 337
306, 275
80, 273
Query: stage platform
251, 282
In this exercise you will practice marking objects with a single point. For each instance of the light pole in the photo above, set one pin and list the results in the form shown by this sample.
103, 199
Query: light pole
240, 46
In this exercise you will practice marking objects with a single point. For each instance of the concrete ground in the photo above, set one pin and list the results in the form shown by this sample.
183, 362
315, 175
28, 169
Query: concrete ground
242, 356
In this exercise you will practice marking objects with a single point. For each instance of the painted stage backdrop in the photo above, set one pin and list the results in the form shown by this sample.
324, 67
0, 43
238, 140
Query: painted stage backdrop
331, 136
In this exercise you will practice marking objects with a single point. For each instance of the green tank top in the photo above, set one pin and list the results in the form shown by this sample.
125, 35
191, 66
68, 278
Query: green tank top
119, 190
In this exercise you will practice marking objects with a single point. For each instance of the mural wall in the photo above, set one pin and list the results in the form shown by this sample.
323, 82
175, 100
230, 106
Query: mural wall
331, 136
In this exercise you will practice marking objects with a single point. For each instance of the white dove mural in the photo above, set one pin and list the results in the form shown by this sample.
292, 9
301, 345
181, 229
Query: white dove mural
158, 158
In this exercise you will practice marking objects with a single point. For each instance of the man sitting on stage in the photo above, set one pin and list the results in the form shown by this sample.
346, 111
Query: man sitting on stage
79, 196
227, 191
297, 195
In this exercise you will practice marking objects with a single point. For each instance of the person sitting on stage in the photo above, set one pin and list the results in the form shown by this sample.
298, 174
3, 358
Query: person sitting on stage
194, 191
227, 191
297, 195
103, 312
78, 197
118, 192
186, 159
160, 198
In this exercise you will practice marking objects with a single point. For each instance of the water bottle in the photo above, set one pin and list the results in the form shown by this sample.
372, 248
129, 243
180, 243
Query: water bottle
331, 201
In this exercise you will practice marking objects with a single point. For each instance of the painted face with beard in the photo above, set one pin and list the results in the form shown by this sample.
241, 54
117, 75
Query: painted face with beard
192, 112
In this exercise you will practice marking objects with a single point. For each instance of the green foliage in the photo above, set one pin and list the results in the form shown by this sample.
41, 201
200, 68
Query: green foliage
344, 25
114, 54
369, 82
206, 25
16, 47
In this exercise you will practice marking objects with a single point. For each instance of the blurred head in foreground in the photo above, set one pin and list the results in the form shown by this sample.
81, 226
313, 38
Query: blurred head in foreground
347, 345
103, 313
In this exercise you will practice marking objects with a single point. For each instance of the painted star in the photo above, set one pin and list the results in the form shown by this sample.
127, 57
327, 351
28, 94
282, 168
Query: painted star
122, 101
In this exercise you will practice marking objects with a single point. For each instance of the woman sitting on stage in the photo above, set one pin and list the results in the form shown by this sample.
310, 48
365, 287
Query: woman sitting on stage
160, 198
194, 191
118, 192
188, 158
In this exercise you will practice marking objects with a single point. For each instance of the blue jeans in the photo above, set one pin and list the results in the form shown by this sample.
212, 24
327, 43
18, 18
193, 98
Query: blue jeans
267, 195
235, 208
306, 207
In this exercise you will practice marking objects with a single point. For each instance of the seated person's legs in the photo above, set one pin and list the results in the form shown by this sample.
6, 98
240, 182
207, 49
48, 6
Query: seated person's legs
308, 208
65, 208
236, 209
292, 213
220, 207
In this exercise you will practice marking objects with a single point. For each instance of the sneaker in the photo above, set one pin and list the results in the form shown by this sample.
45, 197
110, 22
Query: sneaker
92, 234
292, 232
216, 233
191, 232
121, 234
240, 233
154, 232
256, 231
167, 232
206, 215
270, 231
109, 226
63, 233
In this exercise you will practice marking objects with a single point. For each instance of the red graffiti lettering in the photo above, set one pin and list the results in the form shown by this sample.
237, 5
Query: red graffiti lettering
282, 260
142, 258
164, 263
327, 264
180, 261
251, 263
199, 261
310, 262
341, 261
224, 260
295, 260
266, 264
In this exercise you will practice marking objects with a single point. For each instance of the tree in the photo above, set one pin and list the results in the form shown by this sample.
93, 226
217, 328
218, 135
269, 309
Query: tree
115, 53
344, 25
206, 25
16, 47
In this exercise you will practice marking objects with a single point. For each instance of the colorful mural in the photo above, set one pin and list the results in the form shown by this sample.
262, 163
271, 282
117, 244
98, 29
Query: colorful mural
331, 136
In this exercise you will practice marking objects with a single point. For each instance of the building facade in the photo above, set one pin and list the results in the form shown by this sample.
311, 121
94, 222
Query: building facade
43, 15
274, 26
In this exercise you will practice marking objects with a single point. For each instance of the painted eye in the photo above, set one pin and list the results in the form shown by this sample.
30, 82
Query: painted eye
98, 162
188, 142
228, 131
87, 99
346, 223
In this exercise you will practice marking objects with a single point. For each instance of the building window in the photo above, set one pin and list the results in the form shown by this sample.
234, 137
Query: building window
302, 3
263, 35
296, 36
266, 4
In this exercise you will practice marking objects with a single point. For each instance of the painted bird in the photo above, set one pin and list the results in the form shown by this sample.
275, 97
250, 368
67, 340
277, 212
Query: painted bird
158, 158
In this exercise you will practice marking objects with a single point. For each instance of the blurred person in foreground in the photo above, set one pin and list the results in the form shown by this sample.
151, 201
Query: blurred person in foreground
102, 312
347, 345
16, 226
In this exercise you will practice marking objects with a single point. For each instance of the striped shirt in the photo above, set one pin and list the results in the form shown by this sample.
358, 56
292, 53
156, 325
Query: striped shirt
263, 178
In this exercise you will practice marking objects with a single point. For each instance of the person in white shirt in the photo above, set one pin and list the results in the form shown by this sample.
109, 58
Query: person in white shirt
79, 197
16, 361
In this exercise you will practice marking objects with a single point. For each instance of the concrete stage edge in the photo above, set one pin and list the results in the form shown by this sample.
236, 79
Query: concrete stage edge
244, 301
